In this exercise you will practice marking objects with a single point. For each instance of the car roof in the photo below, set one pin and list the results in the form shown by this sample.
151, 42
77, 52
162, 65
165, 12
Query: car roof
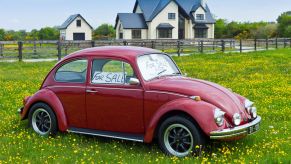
125, 52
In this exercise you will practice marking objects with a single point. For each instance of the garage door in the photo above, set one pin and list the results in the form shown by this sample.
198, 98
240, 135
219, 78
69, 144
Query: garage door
79, 36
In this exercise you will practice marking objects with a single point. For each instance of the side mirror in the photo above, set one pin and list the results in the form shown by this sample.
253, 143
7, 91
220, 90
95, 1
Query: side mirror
134, 81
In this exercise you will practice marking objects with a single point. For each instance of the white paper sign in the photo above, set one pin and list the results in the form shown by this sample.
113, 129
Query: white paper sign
108, 78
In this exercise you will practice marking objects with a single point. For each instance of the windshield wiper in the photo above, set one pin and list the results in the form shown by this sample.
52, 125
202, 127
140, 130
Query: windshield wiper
162, 72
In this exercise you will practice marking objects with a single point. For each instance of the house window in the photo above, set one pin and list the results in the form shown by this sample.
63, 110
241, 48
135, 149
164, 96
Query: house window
201, 33
172, 16
136, 34
165, 33
78, 23
121, 35
200, 17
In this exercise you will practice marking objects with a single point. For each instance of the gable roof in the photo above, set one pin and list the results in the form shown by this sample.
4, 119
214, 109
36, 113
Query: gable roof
151, 8
131, 21
71, 19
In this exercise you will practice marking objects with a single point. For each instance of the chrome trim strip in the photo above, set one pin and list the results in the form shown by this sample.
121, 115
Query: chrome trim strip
108, 88
58, 86
164, 92
236, 131
103, 135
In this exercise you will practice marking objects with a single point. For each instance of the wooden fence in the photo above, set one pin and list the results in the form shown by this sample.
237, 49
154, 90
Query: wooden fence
55, 49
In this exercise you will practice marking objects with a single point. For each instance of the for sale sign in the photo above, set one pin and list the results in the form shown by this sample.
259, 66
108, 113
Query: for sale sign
108, 78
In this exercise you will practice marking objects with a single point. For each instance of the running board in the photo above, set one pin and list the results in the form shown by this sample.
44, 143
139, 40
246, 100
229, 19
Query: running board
122, 136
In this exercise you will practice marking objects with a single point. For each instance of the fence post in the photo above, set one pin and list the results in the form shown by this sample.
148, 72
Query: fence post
213, 45
285, 42
267, 44
153, 44
222, 45
290, 42
34, 47
240, 46
1, 49
179, 48
93, 43
276, 43
20, 47
255, 44
59, 44
201, 46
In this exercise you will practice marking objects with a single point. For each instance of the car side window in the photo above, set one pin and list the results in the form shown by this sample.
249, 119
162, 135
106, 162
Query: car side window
72, 72
106, 71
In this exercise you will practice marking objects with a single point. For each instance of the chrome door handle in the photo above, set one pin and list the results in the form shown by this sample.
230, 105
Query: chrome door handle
91, 91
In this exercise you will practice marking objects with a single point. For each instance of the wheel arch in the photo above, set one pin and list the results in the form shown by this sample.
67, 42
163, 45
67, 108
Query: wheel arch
46, 96
199, 112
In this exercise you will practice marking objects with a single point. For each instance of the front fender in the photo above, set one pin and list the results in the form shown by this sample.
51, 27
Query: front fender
48, 97
202, 112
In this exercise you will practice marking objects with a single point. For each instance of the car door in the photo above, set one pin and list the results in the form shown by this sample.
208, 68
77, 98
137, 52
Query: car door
111, 103
70, 86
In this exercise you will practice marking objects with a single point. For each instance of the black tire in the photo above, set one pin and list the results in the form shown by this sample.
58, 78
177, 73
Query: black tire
43, 120
190, 140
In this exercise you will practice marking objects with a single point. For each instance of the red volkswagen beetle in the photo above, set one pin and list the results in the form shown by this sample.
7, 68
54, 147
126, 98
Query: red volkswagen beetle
137, 94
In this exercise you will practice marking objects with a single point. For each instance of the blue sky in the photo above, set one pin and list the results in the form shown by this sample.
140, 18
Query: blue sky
34, 14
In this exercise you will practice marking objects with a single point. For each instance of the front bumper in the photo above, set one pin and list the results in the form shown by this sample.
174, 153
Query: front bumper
238, 131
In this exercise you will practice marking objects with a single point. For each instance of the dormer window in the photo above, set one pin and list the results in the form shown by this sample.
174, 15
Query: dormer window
79, 23
200, 17
172, 16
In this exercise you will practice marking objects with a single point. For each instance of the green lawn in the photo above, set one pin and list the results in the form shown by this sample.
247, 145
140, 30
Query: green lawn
263, 77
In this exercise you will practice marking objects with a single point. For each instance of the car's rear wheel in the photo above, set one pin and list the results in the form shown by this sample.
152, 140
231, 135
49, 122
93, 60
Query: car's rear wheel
179, 136
43, 120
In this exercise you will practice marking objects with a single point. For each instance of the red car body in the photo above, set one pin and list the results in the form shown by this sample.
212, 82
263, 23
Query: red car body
138, 110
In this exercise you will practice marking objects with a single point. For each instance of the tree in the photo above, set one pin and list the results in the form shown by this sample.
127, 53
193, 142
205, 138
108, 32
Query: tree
49, 33
288, 31
104, 31
33, 35
220, 28
2, 34
284, 20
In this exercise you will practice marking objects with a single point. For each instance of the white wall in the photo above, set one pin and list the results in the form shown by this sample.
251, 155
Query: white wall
200, 10
162, 17
210, 30
85, 28
138, 9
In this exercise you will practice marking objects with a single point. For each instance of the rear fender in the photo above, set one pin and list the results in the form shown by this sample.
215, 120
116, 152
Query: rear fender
202, 112
48, 97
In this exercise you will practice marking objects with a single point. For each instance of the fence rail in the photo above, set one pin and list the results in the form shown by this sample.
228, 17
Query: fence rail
55, 49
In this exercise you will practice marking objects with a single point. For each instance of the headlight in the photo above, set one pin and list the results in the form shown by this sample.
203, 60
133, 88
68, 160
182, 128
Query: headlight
254, 112
250, 108
236, 119
219, 117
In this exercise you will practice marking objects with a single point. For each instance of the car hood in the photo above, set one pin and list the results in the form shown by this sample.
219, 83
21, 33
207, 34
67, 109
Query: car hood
209, 92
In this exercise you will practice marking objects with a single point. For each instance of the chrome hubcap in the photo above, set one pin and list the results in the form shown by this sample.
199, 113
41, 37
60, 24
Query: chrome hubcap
178, 140
41, 121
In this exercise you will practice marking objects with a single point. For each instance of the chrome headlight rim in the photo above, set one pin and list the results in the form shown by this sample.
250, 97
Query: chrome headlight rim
219, 117
236, 119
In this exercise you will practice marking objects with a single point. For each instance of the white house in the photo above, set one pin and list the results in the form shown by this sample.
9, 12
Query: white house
76, 28
166, 19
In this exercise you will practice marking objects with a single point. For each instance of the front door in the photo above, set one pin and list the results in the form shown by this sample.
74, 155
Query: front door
111, 103
70, 88
79, 36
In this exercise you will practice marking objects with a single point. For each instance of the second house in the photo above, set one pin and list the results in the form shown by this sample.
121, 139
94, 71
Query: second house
76, 28
166, 19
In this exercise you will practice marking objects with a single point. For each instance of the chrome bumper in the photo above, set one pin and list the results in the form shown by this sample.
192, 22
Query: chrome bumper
238, 131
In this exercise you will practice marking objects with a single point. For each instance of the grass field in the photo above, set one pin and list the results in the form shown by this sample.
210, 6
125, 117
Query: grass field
263, 77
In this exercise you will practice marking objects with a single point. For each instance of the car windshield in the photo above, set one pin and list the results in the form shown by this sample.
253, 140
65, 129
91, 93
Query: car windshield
156, 65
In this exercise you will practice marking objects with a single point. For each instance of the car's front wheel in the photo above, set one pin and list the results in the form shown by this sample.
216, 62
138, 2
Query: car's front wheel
179, 136
42, 119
